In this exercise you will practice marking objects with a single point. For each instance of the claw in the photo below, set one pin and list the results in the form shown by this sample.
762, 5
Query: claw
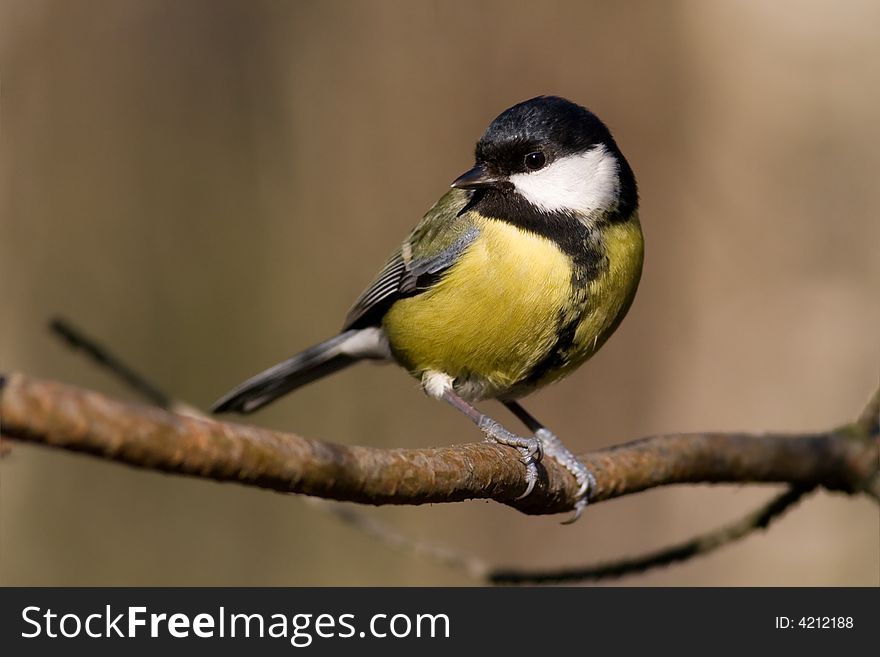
560, 453
531, 478
578, 511
531, 449
587, 484
532, 452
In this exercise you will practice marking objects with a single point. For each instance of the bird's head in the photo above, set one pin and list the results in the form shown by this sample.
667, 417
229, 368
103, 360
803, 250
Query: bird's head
557, 156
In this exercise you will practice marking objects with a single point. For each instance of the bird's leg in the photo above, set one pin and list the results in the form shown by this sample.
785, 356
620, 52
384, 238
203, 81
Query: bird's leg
530, 448
553, 447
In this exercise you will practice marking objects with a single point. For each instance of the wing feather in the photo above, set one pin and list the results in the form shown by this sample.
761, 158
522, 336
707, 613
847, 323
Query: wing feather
433, 246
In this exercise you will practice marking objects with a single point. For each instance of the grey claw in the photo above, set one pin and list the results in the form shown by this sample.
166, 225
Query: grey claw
533, 452
578, 511
531, 478
531, 449
587, 484
560, 453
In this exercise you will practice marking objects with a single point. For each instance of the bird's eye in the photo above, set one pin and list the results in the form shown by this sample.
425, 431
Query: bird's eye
535, 161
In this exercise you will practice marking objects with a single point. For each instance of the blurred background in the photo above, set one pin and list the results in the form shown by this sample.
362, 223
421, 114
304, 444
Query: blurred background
207, 185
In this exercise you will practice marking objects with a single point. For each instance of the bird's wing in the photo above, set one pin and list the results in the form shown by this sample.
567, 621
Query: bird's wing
433, 246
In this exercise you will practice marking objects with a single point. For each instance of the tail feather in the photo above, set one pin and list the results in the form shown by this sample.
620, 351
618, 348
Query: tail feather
314, 363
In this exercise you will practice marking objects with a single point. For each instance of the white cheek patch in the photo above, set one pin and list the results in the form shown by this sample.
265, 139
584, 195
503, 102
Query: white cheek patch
581, 183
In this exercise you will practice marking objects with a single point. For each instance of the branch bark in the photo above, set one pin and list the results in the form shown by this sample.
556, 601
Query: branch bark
54, 414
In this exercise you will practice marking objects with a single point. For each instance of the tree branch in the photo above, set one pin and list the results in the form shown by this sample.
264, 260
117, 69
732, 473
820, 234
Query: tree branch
74, 339
57, 415
703, 544
864, 429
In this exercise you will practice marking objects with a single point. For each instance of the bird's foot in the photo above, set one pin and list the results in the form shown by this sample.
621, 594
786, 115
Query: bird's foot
553, 447
530, 449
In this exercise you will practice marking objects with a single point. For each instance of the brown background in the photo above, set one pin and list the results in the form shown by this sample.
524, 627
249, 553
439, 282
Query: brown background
207, 186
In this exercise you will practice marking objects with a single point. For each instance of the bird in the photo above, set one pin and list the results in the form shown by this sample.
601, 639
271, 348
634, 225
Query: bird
515, 277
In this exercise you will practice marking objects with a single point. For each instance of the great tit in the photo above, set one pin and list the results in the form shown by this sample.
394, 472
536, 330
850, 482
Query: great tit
516, 276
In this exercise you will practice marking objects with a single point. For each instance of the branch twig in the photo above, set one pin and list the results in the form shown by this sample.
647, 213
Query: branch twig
76, 340
759, 519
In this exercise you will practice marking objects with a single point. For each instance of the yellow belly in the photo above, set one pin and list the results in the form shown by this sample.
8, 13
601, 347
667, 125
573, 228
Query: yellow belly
492, 316
496, 314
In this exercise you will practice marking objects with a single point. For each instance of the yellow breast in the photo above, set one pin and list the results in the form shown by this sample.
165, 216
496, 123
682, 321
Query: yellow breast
494, 320
492, 316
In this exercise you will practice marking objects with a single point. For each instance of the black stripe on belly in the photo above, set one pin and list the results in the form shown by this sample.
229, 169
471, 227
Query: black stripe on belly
578, 241
558, 355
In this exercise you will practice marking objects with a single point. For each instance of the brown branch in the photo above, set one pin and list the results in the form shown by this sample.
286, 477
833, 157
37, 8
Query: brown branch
865, 427
58, 415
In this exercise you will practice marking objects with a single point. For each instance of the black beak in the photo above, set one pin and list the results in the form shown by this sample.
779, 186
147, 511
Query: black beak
476, 178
